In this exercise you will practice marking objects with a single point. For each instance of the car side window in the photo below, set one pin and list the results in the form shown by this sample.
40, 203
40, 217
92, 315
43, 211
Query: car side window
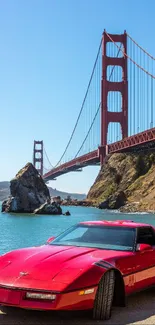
146, 235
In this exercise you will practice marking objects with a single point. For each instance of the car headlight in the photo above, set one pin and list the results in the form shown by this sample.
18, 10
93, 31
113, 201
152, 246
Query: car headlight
44, 296
86, 292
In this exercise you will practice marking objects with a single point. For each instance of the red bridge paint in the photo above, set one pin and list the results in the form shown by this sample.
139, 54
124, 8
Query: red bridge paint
106, 86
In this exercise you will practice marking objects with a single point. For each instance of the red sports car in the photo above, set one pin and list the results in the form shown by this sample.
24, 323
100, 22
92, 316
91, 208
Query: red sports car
93, 265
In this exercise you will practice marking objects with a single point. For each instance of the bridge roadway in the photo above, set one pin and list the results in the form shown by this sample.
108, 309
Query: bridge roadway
130, 144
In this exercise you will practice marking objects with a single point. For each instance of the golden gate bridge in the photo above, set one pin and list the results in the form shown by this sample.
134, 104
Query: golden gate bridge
118, 110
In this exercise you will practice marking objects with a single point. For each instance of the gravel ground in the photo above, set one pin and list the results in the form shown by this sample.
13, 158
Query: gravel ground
140, 309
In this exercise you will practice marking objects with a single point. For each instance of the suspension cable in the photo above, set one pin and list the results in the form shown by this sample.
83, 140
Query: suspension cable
112, 70
88, 130
46, 168
140, 47
81, 106
130, 57
47, 157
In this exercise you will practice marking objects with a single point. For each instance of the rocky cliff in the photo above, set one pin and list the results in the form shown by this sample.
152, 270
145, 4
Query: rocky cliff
28, 191
126, 181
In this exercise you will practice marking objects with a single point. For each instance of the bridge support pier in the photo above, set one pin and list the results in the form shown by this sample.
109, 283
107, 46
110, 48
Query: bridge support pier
108, 116
101, 154
38, 156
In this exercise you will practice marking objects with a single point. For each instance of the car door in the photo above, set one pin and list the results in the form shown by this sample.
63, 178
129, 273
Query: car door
144, 275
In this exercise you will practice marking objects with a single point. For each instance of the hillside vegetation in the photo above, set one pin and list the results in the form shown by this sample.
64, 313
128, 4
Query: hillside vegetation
129, 176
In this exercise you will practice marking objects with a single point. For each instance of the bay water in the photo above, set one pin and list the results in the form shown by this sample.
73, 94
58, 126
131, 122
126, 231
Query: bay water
24, 230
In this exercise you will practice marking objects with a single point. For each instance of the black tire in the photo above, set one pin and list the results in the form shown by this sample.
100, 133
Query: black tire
104, 296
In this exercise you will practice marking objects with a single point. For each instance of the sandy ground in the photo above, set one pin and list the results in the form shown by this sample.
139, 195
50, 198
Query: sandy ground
140, 309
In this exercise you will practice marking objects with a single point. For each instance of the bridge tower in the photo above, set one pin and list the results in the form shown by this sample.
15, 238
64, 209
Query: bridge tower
38, 156
122, 86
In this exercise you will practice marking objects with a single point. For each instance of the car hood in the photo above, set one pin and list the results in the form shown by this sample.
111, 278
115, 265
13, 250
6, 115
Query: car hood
55, 263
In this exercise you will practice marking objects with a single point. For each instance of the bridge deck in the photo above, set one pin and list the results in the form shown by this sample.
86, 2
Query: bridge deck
132, 143
91, 158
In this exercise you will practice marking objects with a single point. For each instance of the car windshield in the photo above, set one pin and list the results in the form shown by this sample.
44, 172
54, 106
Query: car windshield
103, 237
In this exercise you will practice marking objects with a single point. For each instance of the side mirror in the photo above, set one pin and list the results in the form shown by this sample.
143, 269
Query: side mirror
50, 239
143, 247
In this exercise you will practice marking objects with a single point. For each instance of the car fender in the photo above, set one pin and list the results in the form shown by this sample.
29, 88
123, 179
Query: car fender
90, 276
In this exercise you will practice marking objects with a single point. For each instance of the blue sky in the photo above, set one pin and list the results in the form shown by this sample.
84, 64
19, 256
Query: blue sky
47, 51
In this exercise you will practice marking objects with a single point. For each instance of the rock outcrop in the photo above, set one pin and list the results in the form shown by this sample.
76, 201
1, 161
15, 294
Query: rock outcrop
49, 208
28, 191
126, 181
114, 201
67, 213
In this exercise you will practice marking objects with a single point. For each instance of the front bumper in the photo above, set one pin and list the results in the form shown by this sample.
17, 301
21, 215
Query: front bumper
64, 301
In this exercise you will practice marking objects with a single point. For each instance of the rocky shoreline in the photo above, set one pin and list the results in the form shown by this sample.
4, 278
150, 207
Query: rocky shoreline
127, 208
126, 182
84, 203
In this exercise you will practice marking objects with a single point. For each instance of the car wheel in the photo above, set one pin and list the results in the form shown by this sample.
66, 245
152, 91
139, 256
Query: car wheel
104, 296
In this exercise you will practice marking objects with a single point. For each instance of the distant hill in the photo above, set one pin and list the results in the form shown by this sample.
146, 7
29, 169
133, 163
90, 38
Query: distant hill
54, 192
5, 192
